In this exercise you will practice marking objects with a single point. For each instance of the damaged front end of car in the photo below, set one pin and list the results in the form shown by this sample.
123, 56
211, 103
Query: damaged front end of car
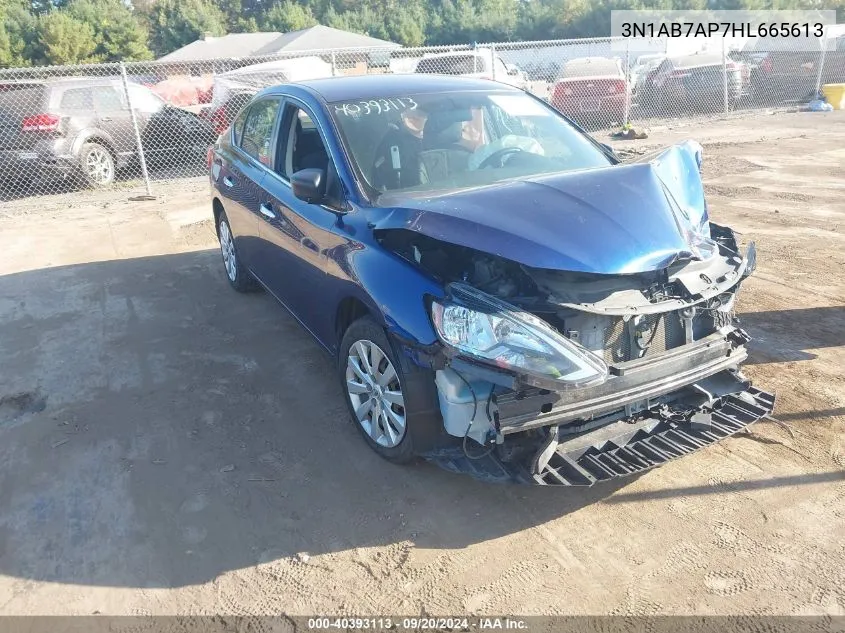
570, 376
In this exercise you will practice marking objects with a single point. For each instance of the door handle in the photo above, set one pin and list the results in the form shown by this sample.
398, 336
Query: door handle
266, 211
228, 181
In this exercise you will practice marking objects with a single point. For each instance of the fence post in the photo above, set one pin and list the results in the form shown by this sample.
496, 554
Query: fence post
725, 72
135, 127
334, 65
493, 60
821, 67
627, 81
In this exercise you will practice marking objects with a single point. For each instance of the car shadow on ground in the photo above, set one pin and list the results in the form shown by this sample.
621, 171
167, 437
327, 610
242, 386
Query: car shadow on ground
157, 430
789, 335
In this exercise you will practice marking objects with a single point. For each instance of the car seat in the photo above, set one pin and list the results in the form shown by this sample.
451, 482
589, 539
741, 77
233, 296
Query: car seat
442, 153
309, 150
395, 172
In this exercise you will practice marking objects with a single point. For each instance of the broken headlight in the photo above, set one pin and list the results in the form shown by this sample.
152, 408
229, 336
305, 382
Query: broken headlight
488, 329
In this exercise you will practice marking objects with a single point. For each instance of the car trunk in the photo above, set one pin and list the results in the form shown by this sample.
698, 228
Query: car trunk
586, 93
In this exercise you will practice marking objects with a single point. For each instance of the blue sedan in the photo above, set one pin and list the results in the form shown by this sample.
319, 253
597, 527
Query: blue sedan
502, 295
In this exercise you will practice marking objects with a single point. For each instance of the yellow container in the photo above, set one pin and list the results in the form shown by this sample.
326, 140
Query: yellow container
835, 95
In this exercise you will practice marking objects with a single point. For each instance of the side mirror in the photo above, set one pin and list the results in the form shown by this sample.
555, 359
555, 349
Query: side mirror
309, 185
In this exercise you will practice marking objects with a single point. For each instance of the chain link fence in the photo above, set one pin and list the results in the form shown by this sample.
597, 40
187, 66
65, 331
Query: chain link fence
130, 126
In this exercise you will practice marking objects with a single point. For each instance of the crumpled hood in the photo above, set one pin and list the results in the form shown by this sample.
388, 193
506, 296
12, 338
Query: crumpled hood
613, 220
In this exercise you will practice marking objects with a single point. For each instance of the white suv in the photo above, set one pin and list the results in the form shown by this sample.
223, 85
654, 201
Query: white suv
481, 63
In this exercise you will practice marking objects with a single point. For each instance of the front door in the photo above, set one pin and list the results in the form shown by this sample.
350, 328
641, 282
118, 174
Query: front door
114, 118
294, 235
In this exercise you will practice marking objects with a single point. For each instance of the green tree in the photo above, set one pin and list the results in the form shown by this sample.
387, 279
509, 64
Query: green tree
118, 31
364, 20
536, 20
288, 16
407, 24
18, 34
175, 23
7, 58
66, 40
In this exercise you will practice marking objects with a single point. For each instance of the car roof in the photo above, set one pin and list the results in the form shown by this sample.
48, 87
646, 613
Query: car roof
696, 59
591, 66
647, 59
65, 81
366, 86
476, 52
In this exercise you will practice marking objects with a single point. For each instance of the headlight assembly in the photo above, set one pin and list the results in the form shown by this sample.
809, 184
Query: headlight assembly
490, 330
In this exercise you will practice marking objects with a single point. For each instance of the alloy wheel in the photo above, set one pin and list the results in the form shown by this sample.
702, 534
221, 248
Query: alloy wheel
375, 393
100, 166
227, 248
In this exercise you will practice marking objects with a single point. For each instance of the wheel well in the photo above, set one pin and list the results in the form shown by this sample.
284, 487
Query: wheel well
349, 310
100, 141
217, 206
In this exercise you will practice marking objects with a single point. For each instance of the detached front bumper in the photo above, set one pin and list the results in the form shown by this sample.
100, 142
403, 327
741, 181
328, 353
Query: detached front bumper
649, 411
620, 449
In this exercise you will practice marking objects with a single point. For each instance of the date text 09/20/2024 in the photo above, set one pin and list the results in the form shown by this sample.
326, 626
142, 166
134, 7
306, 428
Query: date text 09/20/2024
417, 624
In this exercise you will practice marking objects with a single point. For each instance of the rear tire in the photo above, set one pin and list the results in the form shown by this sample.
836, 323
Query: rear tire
98, 165
239, 277
372, 394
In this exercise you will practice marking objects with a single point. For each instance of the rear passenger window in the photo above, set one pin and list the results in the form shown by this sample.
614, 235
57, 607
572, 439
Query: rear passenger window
107, 99
257, 135
238, 126
77, 99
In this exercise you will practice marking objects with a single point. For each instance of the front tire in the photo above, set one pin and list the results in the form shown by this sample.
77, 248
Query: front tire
239, 277
393, 403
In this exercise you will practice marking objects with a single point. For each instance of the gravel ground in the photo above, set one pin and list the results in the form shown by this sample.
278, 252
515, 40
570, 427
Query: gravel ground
169, 447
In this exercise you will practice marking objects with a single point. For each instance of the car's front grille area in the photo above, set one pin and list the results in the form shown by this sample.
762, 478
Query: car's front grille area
641, 336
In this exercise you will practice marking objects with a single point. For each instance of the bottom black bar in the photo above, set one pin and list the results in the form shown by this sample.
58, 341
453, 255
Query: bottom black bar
330, 623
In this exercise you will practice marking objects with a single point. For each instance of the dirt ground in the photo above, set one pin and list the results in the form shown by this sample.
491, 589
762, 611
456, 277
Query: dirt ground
170, 447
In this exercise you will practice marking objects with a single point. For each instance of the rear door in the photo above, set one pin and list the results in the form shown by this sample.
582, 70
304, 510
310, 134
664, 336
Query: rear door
249, 159
160, 134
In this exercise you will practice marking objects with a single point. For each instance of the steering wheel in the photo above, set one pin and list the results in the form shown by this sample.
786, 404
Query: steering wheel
499, 155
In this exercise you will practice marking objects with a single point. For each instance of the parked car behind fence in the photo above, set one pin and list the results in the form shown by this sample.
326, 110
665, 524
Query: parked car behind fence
591, 90
778, 74
83, 128
693, 81
175, 141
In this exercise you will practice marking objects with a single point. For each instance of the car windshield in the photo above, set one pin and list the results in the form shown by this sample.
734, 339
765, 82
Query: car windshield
456, 140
